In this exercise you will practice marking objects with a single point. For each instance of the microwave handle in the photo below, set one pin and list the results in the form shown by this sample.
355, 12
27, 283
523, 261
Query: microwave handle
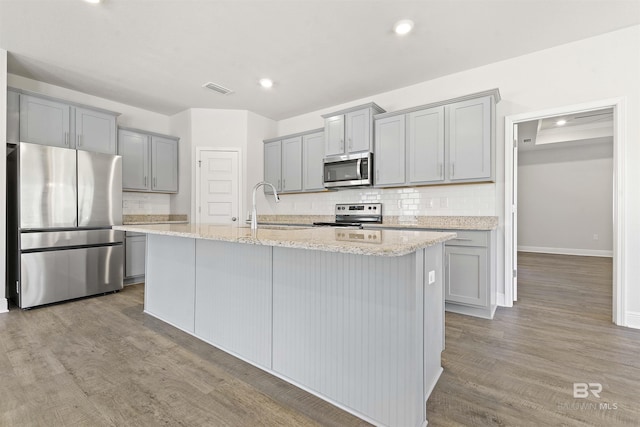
358, 169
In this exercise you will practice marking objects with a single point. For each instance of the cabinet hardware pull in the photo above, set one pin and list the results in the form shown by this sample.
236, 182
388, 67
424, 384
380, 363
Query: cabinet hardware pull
350, 143
66, 138
441, 167
342, 144
453, 169
462, 239
145, 180
79, 142
284, 183
279, 188
155, 181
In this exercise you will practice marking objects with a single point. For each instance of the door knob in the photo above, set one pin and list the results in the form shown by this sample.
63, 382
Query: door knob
234, 218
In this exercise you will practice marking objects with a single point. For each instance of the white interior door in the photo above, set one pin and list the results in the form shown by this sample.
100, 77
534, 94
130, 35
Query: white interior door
219, 187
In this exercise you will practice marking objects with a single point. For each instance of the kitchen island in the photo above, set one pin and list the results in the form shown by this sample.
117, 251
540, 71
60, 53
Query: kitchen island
352, 316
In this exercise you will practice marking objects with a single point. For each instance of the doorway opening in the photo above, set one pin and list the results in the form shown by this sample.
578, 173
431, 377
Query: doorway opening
586, 117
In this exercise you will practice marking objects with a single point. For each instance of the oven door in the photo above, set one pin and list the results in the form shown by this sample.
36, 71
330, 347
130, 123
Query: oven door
348, 171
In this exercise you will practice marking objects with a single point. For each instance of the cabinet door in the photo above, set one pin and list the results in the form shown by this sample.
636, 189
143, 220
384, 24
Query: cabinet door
164, 164
389, 156
358, 131
470, 139
134, 149
13, 117
466, 275
272, 165
292, 164
334, 136
95, 131
425, 138
44, 122
312, 168
135, 251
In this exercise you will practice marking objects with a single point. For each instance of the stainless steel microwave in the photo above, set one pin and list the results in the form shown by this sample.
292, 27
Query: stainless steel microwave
353, 170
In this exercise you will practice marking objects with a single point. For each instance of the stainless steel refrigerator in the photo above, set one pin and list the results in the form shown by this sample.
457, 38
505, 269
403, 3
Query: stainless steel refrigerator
61, 204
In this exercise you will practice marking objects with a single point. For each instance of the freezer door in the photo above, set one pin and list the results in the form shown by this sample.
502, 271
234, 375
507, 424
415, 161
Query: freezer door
99, 189
53, 276
47, 187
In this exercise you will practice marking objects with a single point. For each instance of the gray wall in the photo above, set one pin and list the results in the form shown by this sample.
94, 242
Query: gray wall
565, 197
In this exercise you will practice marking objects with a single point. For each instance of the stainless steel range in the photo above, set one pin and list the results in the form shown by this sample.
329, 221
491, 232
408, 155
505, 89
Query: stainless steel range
355, 215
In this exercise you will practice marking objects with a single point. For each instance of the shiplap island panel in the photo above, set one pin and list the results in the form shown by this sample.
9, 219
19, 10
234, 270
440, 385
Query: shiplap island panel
357, 323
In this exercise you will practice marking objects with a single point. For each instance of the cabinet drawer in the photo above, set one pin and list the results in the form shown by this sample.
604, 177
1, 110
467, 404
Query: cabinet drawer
469, 238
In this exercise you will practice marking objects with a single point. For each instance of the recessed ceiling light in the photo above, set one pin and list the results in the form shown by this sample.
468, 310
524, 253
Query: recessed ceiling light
266, 83
93, 1
561, 122
403, 27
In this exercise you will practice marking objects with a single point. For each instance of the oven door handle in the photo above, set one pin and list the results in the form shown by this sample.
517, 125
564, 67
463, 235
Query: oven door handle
358, 169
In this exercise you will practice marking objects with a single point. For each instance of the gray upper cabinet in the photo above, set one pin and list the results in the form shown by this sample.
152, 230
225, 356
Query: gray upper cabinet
470, 147
334, 135
51, 122
350, 131
425, 140
134, 149
312, 165
149, 161
95, 131
13, 117
447, 142
273, 165
164, 164
389, 160
45, 122
292, 164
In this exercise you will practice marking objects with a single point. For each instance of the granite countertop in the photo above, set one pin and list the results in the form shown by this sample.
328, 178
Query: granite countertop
367, 242
432, 222
154, 219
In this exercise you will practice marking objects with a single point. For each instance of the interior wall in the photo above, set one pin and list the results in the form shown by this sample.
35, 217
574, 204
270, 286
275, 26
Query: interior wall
258, 129
216, 128
180, 124
3, 175
565, 195
602, 67
133, 117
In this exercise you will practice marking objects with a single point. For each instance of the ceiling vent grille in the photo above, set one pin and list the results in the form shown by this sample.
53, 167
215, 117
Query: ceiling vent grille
217, 88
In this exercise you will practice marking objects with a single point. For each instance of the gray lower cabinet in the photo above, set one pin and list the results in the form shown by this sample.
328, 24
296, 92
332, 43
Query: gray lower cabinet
134, 256
149, 161
52, 122
469, 275
294, 163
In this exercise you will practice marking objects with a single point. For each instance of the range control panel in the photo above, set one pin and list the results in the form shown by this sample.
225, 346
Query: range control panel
360, 209
364, 236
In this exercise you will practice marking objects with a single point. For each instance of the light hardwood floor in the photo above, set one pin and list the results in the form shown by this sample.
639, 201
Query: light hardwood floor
101, 361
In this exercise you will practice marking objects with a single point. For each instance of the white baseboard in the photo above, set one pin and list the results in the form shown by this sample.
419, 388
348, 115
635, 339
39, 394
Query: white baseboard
632, 319
4, 305
566, 251
501, 300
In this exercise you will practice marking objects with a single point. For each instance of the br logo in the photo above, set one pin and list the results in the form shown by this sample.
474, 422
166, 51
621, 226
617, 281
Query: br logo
582, 390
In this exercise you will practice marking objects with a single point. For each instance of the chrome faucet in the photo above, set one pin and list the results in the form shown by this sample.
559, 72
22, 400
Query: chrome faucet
254, 214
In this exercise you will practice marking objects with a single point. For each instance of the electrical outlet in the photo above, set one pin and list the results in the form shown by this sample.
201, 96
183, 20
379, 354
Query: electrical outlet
432, 277
444, 202
595, 237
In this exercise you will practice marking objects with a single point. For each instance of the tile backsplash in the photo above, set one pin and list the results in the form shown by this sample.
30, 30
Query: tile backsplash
145, 203
454, 200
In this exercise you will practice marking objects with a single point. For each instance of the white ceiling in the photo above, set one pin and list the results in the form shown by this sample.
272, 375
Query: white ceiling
156, 54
